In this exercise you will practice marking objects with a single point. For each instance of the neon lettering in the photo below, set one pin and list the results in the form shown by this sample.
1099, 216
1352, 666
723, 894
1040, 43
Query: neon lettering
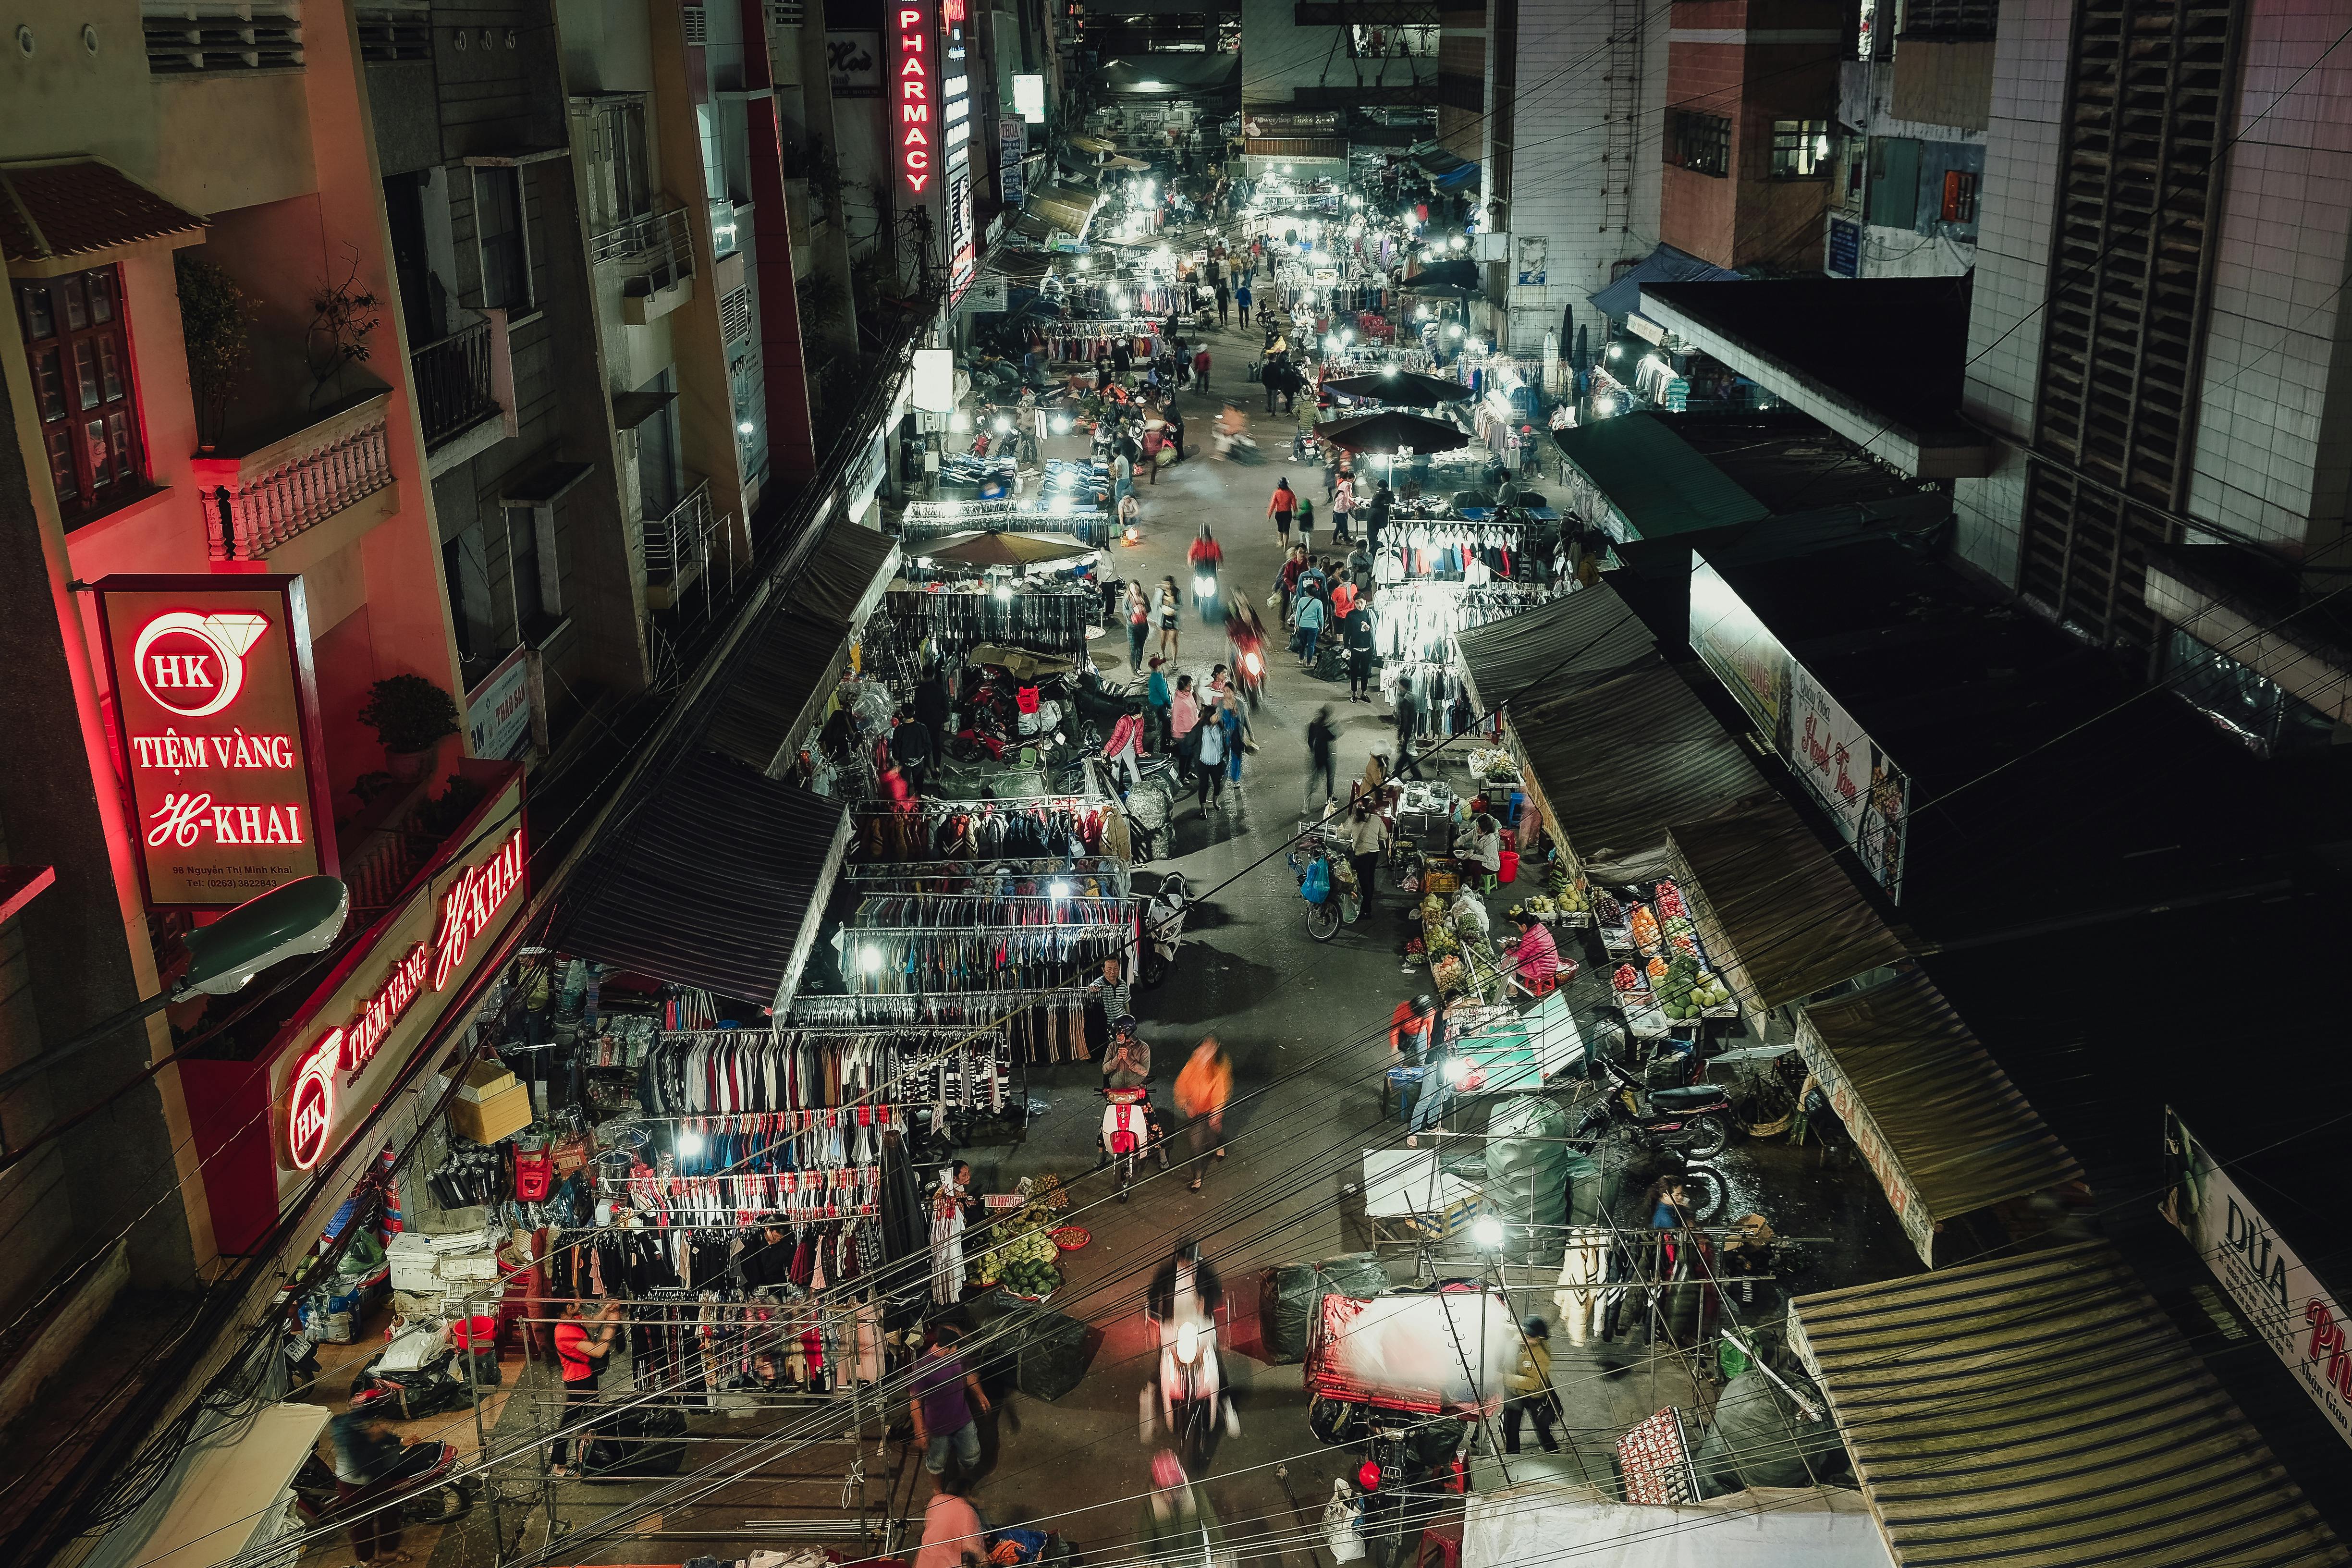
469, 907
311, 1103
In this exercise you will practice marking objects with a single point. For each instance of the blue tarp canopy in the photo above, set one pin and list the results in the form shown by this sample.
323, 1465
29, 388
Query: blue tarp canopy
1622, 298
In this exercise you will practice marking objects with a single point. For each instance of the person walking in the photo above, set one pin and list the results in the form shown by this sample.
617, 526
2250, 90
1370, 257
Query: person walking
1171, 610
1126, 744
1210, 754
1343, 501
1280, 508
1179, 1529
944, 1395
580, 1355
1157, 700
1367, 839
1311, 610
1358, 632
1530, 1396
1139, 623
1225, 303
1270, 377
1408, 727
1154, 436
1203, 1088
1320, 739
1184, 714
1237, 740
1201, 370
367, 1471
1330, 472
1285, 582
1241, 298
1122, 473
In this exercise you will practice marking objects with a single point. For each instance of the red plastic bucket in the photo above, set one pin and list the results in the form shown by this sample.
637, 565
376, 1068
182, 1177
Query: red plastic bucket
473, 1331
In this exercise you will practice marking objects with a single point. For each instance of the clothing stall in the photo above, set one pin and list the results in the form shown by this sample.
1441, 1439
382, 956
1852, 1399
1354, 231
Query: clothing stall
1413, 626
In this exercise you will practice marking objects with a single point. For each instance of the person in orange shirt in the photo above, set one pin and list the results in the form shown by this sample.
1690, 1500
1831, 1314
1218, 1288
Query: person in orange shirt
1409, 1025
1201, 1090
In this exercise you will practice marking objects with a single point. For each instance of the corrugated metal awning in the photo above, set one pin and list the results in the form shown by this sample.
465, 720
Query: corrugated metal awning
1939, 1121
1658, 482
1620, 761
717, 880
2044, 1412
1790, 920
770, 704
1542, 652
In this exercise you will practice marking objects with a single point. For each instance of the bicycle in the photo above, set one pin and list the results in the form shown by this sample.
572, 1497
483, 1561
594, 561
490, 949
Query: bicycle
1340, 902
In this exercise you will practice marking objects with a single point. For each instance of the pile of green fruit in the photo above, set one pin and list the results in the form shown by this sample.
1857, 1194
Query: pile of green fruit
1685, 990
1026, 1261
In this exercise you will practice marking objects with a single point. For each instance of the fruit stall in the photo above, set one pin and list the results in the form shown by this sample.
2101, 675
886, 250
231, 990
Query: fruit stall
1462, 962
1660, 970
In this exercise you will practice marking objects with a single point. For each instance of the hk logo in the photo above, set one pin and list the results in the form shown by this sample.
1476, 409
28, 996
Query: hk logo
195, 665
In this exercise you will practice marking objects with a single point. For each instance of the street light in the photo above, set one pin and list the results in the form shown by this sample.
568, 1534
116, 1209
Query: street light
1487, 1233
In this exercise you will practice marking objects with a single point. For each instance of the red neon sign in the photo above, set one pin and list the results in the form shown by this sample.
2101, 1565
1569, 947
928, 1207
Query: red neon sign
364, 1035
913, 94
467, 908
214, 709
311, 1105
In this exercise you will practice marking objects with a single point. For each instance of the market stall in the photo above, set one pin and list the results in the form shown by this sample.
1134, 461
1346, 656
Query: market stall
1973, 1384
1936, 1120
1543, 1525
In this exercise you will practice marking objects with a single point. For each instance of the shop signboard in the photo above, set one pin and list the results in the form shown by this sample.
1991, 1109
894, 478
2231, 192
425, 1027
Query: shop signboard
217, 718
1842, 768
914, 83
855, 58
2290, 1310
1745, 655
1533, 257
499, 711
1845, 247
259, 1129
1029, 98
1012, 147
989, 292
1857, 784
1877, 1153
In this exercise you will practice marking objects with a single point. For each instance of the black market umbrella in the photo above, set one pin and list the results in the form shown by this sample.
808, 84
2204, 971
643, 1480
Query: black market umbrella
1002, 549
1406, 387
1391, 430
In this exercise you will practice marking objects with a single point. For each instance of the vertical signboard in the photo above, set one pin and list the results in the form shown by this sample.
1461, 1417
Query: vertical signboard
216, 712
963, 251
1745, 657
914, 82
1012, 147
855, 58
2291, 1311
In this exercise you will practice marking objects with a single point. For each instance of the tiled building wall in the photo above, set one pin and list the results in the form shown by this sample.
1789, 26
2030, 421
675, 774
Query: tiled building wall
2273, 453
2029, 95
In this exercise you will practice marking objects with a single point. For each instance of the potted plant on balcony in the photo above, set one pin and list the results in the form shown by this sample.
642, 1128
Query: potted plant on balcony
216, 325
342, 315
410, 715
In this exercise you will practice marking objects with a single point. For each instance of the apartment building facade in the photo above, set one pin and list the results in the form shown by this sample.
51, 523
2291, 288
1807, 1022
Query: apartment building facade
2157, 337
1907, 159
1744, 141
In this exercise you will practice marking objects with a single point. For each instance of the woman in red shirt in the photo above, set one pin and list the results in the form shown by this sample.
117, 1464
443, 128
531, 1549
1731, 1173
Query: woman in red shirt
579, 1353
1284, 503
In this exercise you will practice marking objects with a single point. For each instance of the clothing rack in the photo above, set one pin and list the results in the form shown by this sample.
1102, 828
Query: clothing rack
982, 831
1109, 874
1475, 553
916, 911
1047, 620
1417, 620
1043, 1024
975, 958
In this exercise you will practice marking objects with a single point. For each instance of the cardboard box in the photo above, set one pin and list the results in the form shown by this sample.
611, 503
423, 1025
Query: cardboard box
487, 1120
485, 1080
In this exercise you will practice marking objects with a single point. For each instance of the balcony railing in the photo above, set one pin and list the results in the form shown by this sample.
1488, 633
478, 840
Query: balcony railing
655, 245
452, 383
256, 502
684, 546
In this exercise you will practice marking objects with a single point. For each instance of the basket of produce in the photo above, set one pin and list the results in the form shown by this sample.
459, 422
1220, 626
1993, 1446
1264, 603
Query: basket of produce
1070, 1237
1449, 972
1684, 990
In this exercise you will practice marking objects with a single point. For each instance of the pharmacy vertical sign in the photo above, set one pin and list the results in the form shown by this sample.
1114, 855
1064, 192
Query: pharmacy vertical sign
216, 720
914, 96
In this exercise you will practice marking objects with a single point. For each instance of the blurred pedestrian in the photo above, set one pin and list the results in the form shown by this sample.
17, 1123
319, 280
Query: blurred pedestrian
1531, 1395
1320, 739
1201, 1090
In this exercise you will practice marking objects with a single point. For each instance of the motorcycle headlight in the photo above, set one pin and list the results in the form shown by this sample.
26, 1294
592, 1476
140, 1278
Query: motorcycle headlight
1188, 1343
1204, 585
1251, 662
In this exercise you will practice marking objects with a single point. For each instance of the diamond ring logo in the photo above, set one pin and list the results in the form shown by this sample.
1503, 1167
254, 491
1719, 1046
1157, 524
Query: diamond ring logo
195, 665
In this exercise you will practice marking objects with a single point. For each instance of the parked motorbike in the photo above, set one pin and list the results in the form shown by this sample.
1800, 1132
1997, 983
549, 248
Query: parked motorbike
1327, 882
425, 1480
1694, 1121
1128, 1136
1163, 926
419, 1374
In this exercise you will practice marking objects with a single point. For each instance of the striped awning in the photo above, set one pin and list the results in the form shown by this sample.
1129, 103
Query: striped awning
2042, 1410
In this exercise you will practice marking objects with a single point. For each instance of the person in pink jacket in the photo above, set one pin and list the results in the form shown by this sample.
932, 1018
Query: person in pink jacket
1538, 967
1125, 745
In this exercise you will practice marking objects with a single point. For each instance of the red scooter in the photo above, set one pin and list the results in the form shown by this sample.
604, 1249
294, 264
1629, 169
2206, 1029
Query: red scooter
425, 1480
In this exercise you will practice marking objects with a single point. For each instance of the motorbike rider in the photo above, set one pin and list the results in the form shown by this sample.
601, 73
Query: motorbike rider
1127, 1064
1186, 1285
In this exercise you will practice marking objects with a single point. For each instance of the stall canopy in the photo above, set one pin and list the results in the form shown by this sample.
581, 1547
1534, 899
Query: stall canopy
1657, 483
1445, 274
1936, 1117
1170, 76
2043, 1410
1391, 430
716, 879
1622, 298
226, 1494
1620, 761
1552, 649
1066, 207
1404, 388
1545, 1524
771, 703
1786, 919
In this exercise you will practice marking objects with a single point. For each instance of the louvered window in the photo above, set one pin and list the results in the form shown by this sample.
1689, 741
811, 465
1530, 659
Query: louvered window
698, 25
394, 30
735, 313
185, 37
2130, 280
